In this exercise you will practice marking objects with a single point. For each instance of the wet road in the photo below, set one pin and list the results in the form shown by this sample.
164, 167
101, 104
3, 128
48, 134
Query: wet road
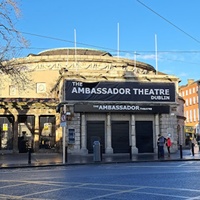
150, 180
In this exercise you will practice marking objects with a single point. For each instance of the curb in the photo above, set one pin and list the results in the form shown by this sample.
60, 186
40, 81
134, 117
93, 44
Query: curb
15, 166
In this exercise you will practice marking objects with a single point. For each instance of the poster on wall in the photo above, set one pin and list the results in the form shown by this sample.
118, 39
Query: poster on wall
71, 138
47, 129
5, 127
119, 91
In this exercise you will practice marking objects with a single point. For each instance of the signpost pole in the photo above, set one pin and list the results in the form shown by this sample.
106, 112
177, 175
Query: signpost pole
64, 135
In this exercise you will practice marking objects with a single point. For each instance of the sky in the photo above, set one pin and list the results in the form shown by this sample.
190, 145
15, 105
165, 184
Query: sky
135, 29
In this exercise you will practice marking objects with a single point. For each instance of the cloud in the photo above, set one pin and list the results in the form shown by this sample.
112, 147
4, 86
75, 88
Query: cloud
183, 74
146, 56
139, 56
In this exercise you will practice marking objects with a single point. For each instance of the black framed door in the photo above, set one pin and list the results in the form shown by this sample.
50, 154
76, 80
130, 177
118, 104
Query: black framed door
47, 126
144, 136
95, 132
6, 132
120, 136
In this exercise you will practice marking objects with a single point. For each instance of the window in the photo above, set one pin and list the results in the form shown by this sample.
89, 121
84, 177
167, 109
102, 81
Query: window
6, 124
194, 100
190, 101
190, 115
47, 131
194, 112
193, 89
186, 92
182, 93
190, 91
186, 102
12, 90
41, 87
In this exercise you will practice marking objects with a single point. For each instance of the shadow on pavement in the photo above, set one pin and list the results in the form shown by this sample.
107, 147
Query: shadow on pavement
54, 159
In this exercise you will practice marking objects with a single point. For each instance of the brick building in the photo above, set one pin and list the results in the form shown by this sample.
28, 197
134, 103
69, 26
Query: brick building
189, 93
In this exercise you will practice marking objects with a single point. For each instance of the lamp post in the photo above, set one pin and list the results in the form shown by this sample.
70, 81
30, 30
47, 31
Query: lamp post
64, 135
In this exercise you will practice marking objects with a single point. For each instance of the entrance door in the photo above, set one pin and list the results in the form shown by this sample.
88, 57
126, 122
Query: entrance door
120, 136
26, 126
95, 132
47, 131
6, 132
144, 136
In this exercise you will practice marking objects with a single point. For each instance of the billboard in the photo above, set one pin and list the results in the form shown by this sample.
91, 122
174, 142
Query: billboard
119, 91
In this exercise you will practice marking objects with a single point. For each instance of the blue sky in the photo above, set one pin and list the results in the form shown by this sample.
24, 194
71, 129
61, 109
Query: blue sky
52, 24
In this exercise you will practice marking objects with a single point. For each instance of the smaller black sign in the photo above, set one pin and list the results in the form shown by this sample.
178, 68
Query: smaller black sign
71, 138
121, 108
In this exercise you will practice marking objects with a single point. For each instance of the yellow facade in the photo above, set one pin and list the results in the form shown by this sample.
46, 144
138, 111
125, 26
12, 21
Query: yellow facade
31, 113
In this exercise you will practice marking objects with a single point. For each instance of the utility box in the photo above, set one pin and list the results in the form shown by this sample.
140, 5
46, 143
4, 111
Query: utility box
96, 151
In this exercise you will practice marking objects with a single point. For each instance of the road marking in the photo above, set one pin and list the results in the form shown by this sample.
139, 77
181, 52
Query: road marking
115, 190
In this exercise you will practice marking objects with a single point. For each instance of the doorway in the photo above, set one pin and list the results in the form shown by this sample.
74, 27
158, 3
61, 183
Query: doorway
95, 132
26, 126
144, 136
120, 136
47, 129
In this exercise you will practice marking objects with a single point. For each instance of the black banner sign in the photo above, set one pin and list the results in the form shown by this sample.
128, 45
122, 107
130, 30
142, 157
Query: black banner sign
120, 91
121, 108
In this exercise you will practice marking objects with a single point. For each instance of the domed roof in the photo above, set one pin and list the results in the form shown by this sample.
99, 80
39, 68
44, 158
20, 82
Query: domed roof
73, 51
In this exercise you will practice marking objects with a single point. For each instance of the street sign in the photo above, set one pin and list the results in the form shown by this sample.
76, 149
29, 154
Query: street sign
63, 120
63, 117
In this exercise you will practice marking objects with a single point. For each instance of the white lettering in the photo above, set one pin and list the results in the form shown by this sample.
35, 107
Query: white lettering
160, 98
118, 107
81, 90
160, 92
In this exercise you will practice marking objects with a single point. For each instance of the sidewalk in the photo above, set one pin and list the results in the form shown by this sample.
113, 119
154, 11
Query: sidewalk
55, 159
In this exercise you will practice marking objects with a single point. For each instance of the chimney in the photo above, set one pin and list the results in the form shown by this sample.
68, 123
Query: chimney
190, 81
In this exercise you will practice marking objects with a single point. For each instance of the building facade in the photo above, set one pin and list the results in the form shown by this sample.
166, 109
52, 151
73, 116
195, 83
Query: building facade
190, 93
122, 103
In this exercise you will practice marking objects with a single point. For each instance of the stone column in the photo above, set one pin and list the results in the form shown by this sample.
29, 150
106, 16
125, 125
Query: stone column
157, 129
83, 135
134, 149
15, 135
36, 136
109, 148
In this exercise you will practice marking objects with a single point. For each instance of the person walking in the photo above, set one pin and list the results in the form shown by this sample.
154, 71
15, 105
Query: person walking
168, 144
161, 143
193, 142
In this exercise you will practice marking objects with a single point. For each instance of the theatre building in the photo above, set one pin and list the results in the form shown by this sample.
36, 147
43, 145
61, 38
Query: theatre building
122, 103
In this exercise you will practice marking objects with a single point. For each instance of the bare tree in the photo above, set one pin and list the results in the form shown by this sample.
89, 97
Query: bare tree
11, 42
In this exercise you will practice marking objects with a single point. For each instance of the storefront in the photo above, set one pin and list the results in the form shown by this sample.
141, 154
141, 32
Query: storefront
122, 116
28, 122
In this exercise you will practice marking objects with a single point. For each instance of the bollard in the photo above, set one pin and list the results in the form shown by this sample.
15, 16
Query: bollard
192, 149
97, 151
29, 155
130, 152
181, 152
101, 148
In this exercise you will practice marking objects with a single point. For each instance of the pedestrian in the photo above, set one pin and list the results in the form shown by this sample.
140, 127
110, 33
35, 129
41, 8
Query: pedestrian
168, 144
193, 142
161, 143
